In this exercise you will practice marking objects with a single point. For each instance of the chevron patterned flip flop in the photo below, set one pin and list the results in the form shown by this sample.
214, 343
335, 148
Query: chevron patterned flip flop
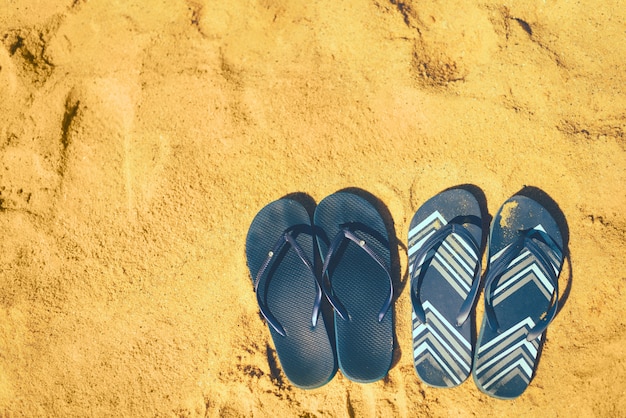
521, 296
280, 249
445, 248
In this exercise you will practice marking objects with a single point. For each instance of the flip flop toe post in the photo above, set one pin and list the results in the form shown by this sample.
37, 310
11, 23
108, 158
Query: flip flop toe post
280, 254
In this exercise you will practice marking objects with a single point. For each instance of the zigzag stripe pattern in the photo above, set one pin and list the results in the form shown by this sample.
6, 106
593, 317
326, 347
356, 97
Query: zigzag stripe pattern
455, 259
522, 271
437, 342
423, 230
440, 344
510, 355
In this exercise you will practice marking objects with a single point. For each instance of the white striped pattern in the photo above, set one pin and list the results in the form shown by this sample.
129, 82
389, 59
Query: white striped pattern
507, 356
521, 271
455, 260
437, 344
510, 355
424, 230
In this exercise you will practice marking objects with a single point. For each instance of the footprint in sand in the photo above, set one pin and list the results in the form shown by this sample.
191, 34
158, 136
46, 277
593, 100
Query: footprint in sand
26, 182
448, 46
27, 49
107, 168
8, 81
367, 401
87, 153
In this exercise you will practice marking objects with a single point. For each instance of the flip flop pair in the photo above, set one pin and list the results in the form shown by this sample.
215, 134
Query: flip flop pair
349, 236
525, 257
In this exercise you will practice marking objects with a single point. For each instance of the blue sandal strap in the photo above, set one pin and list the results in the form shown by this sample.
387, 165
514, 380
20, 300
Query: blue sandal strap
527, 240
286, 238
431, 246
345, 233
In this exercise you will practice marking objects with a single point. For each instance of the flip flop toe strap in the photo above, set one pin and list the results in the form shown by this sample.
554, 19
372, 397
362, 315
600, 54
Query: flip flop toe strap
285, 238
342, 235
528, 240
425, 255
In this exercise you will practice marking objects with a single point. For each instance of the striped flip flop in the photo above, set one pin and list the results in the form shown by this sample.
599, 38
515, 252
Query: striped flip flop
280, 252
521, 296
445, 248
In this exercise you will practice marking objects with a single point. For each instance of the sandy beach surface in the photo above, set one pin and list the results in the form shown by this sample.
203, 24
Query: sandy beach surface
138, 139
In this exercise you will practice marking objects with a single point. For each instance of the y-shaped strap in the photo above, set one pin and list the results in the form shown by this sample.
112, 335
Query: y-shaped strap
286, 238
345, 233
427, 253
527, 240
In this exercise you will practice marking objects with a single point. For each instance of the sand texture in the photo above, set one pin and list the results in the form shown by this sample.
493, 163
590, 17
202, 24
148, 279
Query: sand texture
138, 139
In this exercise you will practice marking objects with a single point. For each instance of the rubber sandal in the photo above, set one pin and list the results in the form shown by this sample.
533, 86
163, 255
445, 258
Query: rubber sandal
357, 281
444, 248
280, 254
521, 296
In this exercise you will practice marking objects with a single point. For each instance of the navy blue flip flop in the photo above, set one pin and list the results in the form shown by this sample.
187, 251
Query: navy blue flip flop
357, 281
521, 296
444, 248
280, 250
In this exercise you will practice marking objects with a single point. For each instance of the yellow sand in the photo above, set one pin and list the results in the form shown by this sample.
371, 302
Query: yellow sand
508, 209
138, 139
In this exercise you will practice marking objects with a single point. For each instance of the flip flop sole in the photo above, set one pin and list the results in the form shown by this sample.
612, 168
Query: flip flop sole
442, 351
505, 359
288, 289
364, 344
